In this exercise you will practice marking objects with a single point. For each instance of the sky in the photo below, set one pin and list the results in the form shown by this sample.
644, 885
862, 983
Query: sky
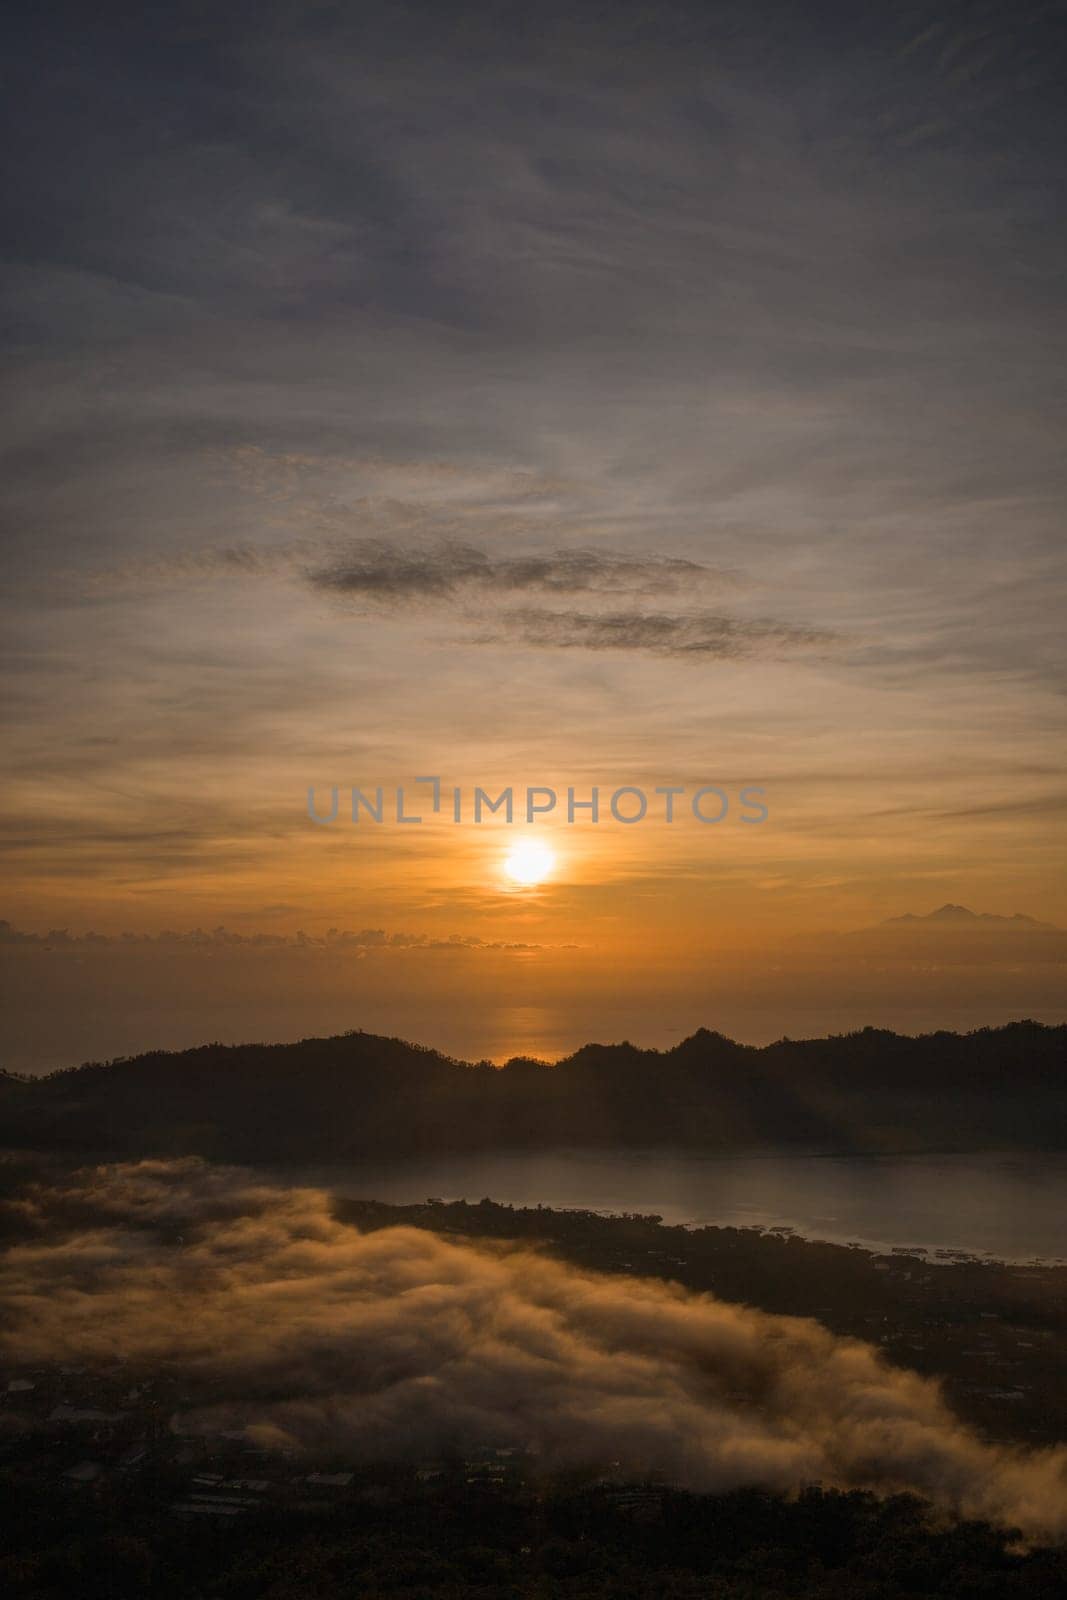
614, 395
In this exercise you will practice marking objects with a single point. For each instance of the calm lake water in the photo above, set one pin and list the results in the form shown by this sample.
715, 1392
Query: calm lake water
1009, 1206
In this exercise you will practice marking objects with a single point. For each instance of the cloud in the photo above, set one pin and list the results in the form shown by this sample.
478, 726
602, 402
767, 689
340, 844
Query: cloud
692, 634
357, 939
388, 577
400, 1343
383, 572
385, 575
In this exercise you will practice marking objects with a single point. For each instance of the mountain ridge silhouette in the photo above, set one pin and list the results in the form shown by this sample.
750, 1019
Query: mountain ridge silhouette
954, 916
358, 1095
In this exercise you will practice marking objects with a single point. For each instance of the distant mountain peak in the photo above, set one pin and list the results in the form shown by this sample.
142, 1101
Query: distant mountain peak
962, 917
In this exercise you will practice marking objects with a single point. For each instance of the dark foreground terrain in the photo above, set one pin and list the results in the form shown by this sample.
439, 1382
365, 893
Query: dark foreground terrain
107, 1496
359, 1095
385, 1534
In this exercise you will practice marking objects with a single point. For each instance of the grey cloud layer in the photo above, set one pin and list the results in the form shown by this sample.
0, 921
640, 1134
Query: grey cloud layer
695, 635
383, 574
387, 577
382, 571
357, 940
786, 281
400, 1343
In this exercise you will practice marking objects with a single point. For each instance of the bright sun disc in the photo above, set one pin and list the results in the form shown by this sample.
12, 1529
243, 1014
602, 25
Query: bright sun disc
529, 862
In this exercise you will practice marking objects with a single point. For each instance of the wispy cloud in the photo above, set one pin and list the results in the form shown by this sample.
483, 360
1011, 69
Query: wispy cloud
382, 575
384, 572
387, 577
358, 940
698, 634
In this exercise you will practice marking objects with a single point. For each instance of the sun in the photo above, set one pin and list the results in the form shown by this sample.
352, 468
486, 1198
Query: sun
529, 862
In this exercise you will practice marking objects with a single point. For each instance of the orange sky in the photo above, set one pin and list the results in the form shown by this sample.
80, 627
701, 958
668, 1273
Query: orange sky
381, 423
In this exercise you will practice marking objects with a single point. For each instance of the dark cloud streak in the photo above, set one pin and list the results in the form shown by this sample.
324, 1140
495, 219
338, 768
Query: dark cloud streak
384, 575
357, 940
380, 571
696, 635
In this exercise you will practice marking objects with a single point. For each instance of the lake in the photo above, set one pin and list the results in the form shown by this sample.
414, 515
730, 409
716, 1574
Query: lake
1008, 1206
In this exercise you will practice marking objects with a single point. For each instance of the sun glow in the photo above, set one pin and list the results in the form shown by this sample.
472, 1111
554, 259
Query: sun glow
529, 863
